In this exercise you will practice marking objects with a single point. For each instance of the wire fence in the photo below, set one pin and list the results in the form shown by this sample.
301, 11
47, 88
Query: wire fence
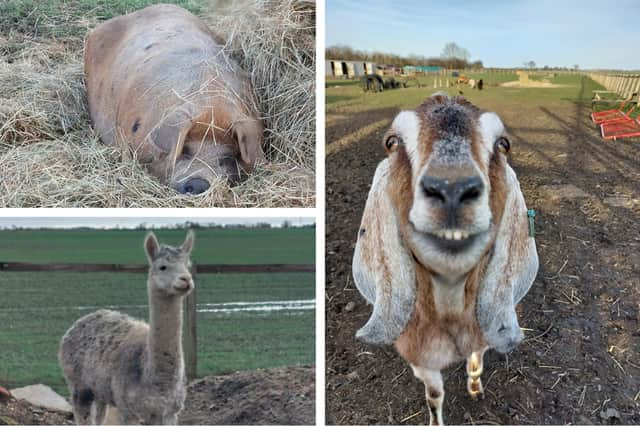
265, 289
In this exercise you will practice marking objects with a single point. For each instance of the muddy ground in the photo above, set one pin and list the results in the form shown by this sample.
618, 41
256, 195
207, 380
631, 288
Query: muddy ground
580, 361
272, 396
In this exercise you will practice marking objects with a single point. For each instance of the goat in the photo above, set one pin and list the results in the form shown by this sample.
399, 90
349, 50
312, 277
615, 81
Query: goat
443, 251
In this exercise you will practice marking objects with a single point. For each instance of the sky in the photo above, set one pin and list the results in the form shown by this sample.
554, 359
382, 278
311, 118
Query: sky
501, 33
108, 222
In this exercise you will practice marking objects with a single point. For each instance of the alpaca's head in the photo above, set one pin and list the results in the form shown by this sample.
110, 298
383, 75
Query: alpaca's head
448, 164
169, 266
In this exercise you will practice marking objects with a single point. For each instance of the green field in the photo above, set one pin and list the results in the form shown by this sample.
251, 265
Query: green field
349, 97
36, 308
64, 18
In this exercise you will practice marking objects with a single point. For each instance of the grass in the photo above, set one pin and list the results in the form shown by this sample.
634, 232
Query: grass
350, 98
51, 157
70, 18
125, 246
37, 308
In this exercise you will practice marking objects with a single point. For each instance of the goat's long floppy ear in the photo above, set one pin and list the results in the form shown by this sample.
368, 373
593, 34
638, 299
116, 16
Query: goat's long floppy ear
151, 246
510, 272
382, 266
187, 246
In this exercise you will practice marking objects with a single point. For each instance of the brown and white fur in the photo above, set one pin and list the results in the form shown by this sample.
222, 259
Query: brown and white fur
443, 252
111, 359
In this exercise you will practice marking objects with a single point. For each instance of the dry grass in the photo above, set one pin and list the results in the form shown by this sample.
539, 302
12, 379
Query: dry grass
51, 158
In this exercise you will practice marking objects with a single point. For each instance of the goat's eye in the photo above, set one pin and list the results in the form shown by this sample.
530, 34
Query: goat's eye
503, 145
392, 142
163, 267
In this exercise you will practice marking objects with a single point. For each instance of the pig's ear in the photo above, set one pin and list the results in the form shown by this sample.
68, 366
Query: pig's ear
248, 135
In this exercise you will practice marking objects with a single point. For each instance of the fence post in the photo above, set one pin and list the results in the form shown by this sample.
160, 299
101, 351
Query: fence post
190, 337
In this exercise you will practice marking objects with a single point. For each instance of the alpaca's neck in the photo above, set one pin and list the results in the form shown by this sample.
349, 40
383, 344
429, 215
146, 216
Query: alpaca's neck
164, 343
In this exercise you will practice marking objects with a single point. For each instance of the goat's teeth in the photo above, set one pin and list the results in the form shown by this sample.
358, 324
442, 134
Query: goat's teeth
457, 235
449, 235
465, 235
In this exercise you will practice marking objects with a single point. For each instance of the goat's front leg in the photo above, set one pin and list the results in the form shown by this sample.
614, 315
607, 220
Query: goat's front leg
474, 371
434, 391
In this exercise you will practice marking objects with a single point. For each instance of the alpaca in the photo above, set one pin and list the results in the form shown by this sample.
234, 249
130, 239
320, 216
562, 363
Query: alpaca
111, 359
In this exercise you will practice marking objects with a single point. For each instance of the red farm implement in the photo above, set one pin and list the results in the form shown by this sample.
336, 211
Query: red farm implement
620, 129
612, 115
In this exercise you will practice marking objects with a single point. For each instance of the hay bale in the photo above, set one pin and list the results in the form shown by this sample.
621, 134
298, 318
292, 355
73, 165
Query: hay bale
51, 158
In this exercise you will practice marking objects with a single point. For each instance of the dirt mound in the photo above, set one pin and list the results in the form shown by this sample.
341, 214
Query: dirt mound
14, 412
273, 396
533, 84
283, 395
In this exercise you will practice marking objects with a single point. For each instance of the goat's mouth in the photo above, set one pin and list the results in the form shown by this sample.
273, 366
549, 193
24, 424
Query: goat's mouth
452, 241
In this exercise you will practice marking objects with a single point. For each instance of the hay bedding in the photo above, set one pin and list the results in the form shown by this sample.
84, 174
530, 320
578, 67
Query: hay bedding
50, 157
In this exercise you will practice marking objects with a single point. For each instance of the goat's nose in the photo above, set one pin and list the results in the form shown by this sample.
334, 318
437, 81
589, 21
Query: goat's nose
194, 186
452, 193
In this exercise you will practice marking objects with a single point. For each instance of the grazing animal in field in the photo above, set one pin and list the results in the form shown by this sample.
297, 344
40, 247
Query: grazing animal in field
480, 84
472, 83
159, 82
444, 252
111, 359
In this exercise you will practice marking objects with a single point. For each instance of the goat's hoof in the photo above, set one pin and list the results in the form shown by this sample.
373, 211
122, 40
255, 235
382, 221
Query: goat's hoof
475, 390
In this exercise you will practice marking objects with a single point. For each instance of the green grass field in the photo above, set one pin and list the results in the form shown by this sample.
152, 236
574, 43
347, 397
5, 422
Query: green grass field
345, 97
69, 18
37, 308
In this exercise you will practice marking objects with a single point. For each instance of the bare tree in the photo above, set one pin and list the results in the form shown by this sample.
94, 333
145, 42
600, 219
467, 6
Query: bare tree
455, 56
347, 53
452, 50
576, 67
530, 64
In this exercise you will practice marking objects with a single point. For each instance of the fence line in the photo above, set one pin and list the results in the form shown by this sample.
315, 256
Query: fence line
190, 336
624, 84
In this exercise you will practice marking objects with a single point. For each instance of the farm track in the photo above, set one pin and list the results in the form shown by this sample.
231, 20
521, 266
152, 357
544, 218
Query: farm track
582, 314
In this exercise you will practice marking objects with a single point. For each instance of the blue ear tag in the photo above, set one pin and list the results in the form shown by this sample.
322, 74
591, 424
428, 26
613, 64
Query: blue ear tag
532, 227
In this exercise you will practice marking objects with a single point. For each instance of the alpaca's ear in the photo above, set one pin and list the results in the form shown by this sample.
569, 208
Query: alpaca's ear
187, 246
383, 272
151, 246
511, 271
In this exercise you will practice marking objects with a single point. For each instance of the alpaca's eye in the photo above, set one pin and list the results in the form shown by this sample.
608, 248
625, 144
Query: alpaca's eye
392, 142
163, 267
503, 145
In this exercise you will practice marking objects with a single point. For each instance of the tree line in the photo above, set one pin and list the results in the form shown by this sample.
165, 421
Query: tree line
452, 57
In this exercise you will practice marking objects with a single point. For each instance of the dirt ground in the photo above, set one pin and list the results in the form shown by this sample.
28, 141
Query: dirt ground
271, 396
580, 360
